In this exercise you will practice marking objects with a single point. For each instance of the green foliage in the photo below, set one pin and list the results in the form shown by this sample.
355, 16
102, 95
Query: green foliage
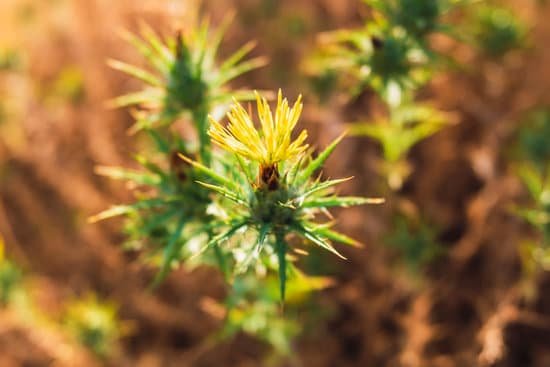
406, 126
391, 55
498, 30
162, 221
93, 324
252, 308
10, 277
534, 138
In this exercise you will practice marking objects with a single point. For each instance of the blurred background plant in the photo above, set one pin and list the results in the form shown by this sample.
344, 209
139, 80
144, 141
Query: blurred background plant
496, 30
94, 324
10, 277
531, 153
392, 56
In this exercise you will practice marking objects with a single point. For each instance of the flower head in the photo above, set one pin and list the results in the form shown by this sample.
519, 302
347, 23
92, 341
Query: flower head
269, 146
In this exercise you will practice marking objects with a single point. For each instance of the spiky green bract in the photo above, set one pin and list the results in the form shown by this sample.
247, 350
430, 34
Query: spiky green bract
169, 212
290, 207
183, 76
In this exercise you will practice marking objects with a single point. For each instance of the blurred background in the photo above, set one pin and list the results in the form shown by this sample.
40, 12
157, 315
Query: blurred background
445, 282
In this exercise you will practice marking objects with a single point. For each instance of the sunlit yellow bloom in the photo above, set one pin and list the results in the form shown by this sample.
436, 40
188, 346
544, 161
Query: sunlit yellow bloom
269, 146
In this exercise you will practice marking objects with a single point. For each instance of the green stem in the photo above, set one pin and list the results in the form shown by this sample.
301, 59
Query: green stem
200, 116
280, 248
220, 258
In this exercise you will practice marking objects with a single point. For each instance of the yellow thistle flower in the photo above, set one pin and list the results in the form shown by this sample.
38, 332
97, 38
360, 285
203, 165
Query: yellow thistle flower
269, 146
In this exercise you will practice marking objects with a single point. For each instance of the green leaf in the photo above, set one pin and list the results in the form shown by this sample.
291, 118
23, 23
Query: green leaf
156, 220
215, 41
150, 166
162, 145
160, 63
237, 56
170, 252
210, 173
318, 162
125, 209
308, 234
147, 96
240, 69
118, 173
136, 72
150, 36
113, 211
336, 236
231, 195
258, 247
222, 236
245, 168
346, 201
532, 179
220, 258
323, 186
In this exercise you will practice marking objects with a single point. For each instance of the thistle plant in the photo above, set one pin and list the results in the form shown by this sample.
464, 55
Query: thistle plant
275, 193
186, 78
392, 56
382, 58
247, 208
